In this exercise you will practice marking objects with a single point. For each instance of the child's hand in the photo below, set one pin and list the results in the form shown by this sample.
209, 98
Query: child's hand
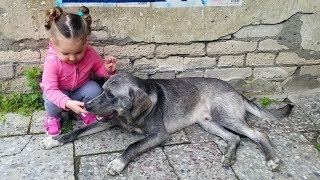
110, 62
76, 106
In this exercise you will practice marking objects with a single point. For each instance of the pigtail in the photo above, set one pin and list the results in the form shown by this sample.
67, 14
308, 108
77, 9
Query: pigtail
52, 15
84, 12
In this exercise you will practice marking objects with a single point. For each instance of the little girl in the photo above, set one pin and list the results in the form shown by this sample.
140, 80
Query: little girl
69, 64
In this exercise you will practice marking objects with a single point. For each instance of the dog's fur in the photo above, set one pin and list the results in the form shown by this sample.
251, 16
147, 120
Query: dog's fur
159, 108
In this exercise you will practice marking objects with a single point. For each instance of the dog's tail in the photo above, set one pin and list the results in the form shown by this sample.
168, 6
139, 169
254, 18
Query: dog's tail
267, 113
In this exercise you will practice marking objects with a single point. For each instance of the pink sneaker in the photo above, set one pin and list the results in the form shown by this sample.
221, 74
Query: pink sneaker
52, 125
88, 118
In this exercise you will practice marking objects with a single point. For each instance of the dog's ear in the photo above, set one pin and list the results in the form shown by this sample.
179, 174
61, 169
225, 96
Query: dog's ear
141, 102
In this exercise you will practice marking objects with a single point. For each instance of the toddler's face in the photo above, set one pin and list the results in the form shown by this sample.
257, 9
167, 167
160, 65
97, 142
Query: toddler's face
69, 50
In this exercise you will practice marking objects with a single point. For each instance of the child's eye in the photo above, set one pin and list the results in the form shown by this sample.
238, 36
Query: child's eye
65, 54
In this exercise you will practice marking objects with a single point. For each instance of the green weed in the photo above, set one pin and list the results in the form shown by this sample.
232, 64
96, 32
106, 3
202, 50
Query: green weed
317, 146
266, 102
24, 104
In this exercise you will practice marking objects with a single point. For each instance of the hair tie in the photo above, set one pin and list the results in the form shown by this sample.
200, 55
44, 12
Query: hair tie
81, 13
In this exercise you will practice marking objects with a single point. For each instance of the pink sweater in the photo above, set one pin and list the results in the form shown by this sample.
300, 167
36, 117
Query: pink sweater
59, 75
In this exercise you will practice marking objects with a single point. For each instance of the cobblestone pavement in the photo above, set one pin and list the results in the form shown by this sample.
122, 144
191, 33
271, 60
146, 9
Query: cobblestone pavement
189, 154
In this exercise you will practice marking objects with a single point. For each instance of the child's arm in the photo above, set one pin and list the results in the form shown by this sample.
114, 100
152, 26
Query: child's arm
110, 63
50, 84
103, 68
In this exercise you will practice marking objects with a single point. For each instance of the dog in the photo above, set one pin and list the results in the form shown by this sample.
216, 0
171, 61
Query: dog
160, 107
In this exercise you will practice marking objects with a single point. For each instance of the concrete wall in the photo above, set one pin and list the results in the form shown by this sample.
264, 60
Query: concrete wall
264, 44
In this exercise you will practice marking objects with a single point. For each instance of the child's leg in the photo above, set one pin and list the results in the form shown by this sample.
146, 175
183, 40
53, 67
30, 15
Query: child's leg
52, 110
87, 92
52, 124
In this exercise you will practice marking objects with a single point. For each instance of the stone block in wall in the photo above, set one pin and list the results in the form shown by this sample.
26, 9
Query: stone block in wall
261, 85
43, 54
257, 59
21, 68
100, 50
199, 62
302, 83
271, 45
229, 61
273, 72
141, 75
311, 70
229, 73
16, 85
195, 49
134, 51
145, 64
190, 74
21, 56
163, 75
99, 35
259, 31
288, 58
6, 71
173, 63
124, 65
230, 47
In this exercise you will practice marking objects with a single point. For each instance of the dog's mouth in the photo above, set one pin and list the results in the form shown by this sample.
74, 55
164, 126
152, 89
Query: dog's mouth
109, 116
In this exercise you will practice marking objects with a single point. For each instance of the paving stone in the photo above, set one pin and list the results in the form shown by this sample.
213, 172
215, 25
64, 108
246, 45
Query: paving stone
198, 135
15, 125
38, 119
309, 101
150, 165
198, 161
177, 138
117, 139
296, 121
299, 161
113, 139
13, 145
35, 163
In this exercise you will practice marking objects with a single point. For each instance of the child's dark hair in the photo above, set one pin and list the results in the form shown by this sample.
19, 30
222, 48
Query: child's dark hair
68, 25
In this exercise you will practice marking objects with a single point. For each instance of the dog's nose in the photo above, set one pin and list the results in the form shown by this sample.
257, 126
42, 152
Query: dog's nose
88, 106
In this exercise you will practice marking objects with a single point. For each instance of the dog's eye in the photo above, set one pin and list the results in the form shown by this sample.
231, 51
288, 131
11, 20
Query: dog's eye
110, 95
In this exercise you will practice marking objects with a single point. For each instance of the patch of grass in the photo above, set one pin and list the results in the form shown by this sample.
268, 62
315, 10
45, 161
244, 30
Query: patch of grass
317, 146
67, 125
24, 104
266, 102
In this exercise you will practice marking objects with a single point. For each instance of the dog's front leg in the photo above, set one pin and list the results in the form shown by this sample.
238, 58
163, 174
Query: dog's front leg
151, 141
50, 142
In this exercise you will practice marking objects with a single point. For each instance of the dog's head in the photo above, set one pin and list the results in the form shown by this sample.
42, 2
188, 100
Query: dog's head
121, 96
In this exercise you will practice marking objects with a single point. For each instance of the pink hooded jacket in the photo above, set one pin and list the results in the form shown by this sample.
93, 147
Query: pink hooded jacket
59, 75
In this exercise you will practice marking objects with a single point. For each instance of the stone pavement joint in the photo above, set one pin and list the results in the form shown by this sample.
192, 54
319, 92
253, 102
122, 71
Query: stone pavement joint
191, 153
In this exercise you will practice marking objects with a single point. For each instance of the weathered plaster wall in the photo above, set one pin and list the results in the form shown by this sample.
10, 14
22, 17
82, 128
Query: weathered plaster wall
266, 44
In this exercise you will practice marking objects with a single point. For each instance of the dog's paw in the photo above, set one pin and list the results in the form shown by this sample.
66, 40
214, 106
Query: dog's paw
115, 167
49, 142
274, 164
228, 160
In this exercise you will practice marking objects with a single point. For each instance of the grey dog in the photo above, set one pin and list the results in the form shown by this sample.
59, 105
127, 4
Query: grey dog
161, 107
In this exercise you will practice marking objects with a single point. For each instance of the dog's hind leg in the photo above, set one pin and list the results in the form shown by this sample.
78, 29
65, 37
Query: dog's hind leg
232, 140
262, 139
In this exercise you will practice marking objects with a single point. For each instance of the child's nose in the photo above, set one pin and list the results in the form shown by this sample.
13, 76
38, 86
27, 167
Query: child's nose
72, 57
